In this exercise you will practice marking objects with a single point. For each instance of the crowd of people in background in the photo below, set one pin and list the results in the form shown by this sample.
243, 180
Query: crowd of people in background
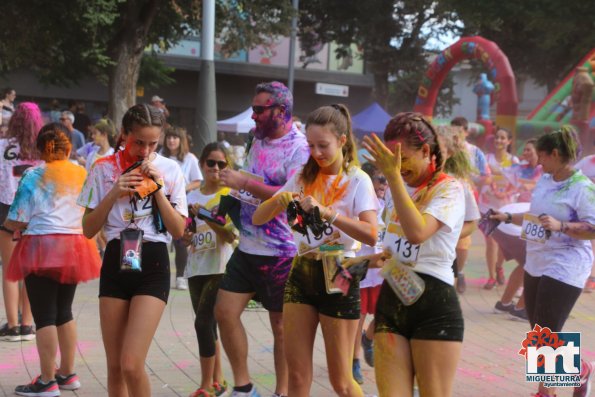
293, 220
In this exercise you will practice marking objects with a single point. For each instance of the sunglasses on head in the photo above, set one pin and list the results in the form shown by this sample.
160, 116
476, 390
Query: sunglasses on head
259, 109
212, 163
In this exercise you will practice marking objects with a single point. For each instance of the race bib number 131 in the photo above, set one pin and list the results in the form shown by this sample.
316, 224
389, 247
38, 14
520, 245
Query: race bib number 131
397, 243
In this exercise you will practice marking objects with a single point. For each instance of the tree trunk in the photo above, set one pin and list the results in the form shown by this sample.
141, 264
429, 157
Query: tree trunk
381, 87
126, 51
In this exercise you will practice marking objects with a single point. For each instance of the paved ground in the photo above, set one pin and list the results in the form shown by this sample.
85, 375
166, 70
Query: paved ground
490, 365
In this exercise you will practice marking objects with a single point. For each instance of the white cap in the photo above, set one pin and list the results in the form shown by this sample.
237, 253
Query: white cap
156, 98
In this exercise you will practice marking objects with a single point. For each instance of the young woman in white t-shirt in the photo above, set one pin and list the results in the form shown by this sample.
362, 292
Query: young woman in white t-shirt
495, 194
131, 302
176, 148
422, 340
52, 256
344, 195
18, 153
210, 247
563, 207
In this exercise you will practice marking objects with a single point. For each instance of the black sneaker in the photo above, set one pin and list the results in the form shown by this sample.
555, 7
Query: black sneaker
12, 334
502, 308
519, 314
27, 332
69, 382
38, 389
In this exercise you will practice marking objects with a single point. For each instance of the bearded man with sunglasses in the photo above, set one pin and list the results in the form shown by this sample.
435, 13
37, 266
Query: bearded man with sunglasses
260, 265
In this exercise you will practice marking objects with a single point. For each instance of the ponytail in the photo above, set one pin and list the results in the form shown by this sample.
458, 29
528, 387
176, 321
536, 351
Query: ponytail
565, 141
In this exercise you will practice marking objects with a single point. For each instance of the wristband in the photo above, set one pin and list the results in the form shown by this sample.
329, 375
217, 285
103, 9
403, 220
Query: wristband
563, 227
508, 217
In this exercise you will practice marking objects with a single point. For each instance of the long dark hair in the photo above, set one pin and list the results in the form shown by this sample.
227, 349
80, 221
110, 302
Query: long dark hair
337, 116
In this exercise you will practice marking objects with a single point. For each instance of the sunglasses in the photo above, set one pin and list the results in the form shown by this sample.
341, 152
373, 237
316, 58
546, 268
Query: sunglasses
64, 118
380, 179
212, 163
259, 109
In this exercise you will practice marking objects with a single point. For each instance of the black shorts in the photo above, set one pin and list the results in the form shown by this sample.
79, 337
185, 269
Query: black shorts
263, 275
3, 215
153, 280
436, 315
306, 285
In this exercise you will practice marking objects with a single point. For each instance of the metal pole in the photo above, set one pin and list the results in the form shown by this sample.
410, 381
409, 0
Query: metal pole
292, 41
205, 130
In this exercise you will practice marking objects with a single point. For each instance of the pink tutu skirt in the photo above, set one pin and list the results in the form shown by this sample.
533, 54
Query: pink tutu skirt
65, 258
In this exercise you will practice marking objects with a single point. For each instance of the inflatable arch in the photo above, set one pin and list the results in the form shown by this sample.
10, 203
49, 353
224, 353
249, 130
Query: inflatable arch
498, 69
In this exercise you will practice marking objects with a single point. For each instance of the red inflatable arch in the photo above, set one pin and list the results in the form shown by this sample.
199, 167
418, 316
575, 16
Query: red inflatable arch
499, 73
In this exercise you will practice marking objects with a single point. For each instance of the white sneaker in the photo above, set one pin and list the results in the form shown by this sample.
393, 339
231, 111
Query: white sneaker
181, 283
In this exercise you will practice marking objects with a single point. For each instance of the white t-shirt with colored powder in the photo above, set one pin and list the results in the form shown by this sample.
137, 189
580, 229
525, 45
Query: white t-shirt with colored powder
445, 202
11, 169
276, 160
102, 179
359, 197
208, 261
562, 257
46, 199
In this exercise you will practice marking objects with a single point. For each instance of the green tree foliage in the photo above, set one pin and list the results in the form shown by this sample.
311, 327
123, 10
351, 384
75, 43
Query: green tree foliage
543, 39
394, 36
65, 41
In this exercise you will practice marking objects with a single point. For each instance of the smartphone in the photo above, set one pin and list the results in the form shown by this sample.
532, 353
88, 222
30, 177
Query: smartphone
207, 215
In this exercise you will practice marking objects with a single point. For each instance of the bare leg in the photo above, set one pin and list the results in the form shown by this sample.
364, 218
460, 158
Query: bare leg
10, 289
515, 281
394, 365
47, 345
281, 374
114, 316
338, 341
218, 373
207, 368
228, 310
491, 256
370, 329
435, 365
67, 341
143, 318
300, 322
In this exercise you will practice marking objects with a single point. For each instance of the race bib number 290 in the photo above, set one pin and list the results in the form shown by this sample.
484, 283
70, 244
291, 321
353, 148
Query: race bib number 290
397, 243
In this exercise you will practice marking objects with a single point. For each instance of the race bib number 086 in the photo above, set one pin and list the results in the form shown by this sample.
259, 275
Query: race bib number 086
397, 243
532, 229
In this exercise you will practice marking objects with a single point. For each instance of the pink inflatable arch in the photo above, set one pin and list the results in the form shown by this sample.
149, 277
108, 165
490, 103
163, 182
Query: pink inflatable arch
498, 69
